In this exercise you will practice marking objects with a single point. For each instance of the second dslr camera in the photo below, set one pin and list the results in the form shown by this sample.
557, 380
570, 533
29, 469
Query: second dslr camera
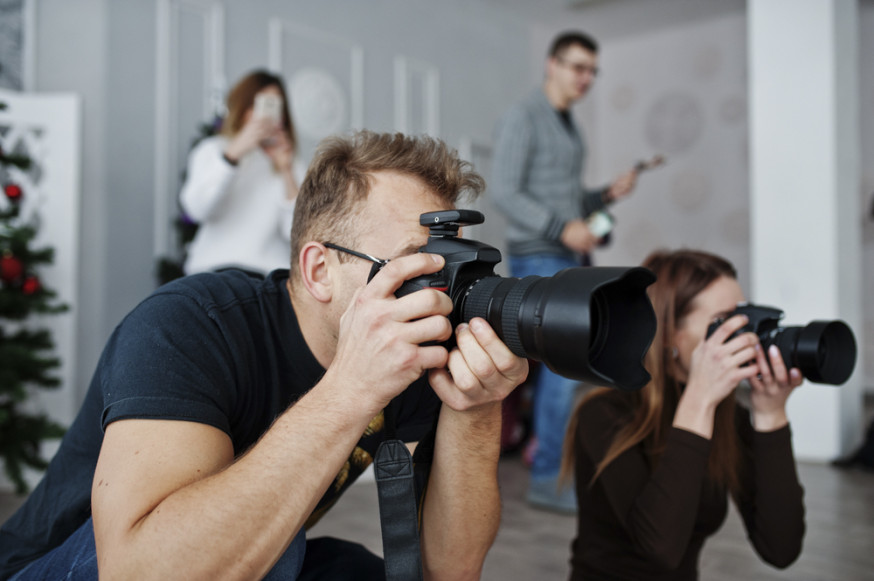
824, 351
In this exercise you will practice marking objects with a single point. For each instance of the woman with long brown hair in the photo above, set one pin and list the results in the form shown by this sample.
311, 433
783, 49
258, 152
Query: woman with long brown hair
653, 468
242, 184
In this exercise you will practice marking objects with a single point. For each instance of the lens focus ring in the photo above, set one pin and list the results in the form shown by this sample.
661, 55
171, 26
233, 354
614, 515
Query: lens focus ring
510, 314
499, 300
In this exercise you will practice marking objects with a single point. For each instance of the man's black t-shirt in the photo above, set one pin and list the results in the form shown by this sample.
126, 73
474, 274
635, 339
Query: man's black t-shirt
219, 349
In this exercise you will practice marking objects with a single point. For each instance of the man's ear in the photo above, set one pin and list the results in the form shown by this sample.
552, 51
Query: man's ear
551, 64
315, 274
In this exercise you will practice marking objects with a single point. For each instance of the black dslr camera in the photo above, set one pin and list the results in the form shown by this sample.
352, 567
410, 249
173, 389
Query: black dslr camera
824, 351
592, 324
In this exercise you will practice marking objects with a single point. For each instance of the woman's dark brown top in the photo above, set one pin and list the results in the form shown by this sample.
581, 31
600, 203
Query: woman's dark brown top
639, 521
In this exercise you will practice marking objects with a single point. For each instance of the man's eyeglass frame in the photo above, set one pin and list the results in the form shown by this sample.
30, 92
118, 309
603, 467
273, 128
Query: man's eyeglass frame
373, 259
578, 68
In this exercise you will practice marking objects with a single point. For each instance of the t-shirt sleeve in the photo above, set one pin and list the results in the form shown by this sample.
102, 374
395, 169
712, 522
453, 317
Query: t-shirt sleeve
655, 507
167, 360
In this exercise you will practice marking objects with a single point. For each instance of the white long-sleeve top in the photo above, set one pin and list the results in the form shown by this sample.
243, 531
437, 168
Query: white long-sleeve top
243, 213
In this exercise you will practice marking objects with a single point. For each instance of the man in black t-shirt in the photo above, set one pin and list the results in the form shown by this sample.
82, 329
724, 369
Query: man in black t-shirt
227, 412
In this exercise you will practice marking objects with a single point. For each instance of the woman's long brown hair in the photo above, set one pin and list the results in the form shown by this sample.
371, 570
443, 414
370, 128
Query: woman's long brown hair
242, 98
681, 276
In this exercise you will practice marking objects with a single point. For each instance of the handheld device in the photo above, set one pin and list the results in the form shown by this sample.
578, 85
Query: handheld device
268, 106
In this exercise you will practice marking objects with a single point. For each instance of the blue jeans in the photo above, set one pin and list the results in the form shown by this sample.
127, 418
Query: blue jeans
76, 560
553, 394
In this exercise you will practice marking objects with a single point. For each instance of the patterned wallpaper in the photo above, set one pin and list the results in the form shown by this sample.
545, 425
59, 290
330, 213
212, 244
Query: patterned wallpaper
681, 93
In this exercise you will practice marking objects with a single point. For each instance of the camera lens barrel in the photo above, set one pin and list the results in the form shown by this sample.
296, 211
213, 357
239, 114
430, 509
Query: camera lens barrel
824, 351
498, 301
591, 324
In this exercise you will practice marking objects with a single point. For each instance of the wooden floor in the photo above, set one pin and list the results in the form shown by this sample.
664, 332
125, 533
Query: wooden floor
534, 545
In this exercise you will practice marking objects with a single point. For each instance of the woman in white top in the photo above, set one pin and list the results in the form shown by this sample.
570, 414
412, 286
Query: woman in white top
242, 184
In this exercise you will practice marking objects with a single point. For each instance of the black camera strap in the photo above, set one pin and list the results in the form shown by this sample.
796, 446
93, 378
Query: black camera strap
398, 511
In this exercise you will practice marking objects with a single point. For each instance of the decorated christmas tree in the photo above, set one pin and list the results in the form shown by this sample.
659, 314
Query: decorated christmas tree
26, 360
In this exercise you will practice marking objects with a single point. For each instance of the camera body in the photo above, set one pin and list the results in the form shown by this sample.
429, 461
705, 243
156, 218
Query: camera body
591, 324
824, 351
466, 261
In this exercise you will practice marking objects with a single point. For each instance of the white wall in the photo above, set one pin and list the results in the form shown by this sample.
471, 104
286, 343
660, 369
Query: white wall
72, 59
866, 202
804, 178
678, 91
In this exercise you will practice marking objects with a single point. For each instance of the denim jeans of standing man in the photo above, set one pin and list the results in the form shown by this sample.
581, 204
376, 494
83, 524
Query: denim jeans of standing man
552, 406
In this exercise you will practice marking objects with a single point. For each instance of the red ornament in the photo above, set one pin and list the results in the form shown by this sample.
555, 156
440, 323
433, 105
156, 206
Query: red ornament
11, 268
13, 192
31, 285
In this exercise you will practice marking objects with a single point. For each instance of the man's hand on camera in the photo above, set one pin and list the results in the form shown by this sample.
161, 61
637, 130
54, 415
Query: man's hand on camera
481, 369
383, 344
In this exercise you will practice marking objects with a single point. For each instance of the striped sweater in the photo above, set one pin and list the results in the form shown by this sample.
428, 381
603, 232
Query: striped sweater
536, 176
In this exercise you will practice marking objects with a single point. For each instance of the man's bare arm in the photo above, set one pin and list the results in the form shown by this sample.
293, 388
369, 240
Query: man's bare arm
462, 505
169, 501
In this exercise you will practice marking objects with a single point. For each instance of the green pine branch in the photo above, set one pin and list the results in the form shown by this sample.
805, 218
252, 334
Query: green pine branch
22, 162
21, 364
26, 359
20, 437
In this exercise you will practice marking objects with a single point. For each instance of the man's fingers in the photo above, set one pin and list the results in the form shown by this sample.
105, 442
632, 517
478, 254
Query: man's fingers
390, 278
427, 330
423, 303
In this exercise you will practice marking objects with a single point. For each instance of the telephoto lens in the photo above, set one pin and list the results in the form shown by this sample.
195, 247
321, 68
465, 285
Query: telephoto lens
824, 351
591, 324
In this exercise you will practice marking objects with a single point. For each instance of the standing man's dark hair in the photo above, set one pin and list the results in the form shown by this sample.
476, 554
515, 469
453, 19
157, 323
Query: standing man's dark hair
567, 39
539, 157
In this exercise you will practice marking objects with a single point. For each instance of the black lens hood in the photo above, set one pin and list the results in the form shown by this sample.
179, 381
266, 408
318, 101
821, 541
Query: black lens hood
826, 352
596, 324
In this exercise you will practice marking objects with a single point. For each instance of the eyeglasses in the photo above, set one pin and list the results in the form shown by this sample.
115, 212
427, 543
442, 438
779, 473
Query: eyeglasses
373, 259
578, 68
